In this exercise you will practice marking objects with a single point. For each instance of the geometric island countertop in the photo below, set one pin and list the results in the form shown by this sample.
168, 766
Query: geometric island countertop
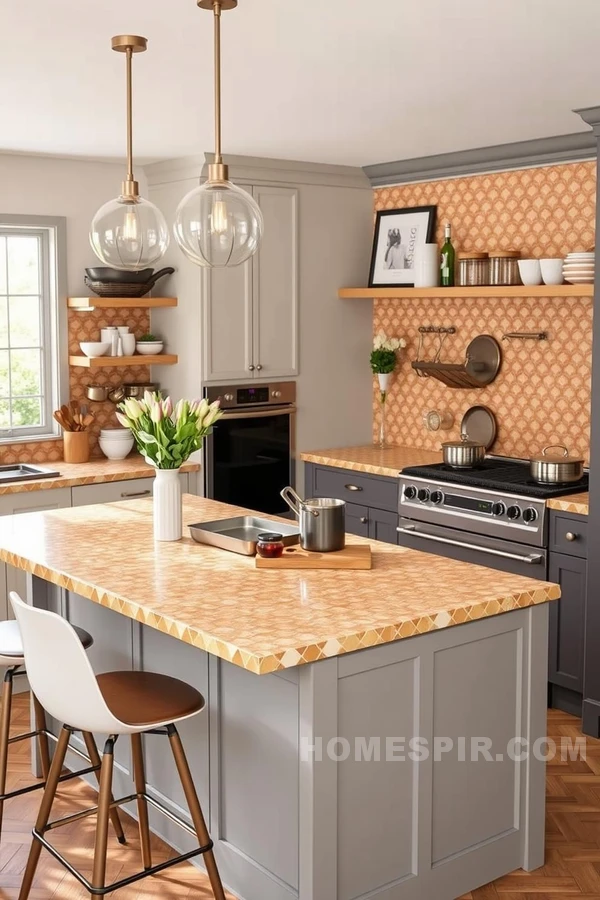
263, 620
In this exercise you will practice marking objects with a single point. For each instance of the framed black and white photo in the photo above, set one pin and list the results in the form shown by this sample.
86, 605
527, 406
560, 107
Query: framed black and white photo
398, 233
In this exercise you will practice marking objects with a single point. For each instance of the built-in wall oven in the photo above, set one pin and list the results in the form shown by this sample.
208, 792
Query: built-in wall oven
250, 456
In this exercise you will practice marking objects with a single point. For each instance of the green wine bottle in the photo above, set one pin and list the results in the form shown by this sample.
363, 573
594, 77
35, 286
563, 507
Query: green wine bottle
447, 266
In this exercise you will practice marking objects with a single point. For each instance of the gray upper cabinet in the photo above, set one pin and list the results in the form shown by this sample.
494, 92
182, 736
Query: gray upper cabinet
250, 312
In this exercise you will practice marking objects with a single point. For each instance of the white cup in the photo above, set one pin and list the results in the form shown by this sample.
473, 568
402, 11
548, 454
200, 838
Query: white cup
552, 271
123, 329
128, 343
427, 266
530, 271
106, 336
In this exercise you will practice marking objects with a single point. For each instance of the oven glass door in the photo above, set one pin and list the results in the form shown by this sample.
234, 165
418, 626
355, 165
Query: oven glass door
249, 459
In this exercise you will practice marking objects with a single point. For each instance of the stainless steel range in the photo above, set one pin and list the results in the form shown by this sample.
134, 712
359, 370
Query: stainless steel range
494, 515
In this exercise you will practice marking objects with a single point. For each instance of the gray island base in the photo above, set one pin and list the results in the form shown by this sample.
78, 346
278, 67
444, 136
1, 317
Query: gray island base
301, 802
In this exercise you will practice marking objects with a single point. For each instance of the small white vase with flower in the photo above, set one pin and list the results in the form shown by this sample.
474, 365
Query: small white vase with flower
384, 359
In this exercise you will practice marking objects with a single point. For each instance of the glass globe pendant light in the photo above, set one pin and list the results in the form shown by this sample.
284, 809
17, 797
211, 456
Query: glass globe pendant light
218, 224
129, 232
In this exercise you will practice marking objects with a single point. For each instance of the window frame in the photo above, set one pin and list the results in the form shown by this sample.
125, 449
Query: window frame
52, 233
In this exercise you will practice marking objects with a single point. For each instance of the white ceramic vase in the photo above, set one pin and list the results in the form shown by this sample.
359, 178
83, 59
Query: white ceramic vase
167, 505
384, 381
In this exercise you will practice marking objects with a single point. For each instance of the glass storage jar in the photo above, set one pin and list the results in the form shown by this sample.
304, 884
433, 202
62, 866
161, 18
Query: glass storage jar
473, 268
269, 545
504, 266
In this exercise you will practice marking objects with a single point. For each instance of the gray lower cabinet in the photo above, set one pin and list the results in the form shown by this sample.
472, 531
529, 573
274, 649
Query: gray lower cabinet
567, 567
371, 500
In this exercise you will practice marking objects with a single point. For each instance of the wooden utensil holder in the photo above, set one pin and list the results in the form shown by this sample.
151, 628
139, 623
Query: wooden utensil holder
76, 446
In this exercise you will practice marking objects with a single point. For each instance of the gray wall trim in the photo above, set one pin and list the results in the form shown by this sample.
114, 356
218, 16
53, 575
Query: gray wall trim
520, 155
591, 116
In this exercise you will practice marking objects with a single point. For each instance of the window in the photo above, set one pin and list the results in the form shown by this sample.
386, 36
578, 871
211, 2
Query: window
29, 357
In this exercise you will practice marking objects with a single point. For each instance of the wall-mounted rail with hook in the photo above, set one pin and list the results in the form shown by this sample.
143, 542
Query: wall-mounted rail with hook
525, 336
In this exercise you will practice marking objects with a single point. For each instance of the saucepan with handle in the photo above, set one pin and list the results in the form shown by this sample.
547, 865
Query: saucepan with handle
556, 468
322, 521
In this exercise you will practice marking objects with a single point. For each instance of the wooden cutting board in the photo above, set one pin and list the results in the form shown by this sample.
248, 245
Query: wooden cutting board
351, 557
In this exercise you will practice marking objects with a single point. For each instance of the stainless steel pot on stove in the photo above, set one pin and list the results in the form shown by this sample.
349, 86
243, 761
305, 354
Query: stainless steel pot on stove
322, 521
463, 454
553, 468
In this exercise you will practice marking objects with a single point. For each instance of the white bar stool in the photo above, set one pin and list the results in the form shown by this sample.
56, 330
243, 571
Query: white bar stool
114, 703
11, 655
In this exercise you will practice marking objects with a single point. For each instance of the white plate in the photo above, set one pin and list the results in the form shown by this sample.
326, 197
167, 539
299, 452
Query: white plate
583, 254
574, 280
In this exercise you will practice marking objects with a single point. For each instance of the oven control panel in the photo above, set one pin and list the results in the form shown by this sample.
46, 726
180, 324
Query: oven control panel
475, 510
245, 396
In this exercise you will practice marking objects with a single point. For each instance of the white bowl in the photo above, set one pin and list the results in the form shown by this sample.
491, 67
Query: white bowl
116, 449
552, 271
530, 271
94, 348
149, 348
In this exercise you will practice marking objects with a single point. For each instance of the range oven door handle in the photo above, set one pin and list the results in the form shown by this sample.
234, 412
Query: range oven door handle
260, 413
531, 559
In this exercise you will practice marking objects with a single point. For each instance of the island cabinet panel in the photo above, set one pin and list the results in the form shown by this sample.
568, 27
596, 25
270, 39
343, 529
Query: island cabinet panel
376, 708
372, 500
111, 492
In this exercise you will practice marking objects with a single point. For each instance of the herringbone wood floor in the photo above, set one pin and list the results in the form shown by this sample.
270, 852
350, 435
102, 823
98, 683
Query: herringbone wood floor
572, 867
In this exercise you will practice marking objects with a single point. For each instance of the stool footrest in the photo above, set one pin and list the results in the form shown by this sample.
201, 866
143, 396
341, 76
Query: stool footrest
41, 784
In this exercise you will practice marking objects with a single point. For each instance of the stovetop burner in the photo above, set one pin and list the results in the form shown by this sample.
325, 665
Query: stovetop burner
506, 475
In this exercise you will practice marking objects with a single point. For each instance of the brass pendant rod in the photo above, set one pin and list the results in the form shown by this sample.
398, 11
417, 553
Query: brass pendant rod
217, 22
129, 57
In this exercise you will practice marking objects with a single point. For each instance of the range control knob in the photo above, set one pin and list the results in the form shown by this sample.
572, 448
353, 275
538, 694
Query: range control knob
498, 509
228, 397
276, 395
437, 497
514, 512
410, 492
423, 495
530, 515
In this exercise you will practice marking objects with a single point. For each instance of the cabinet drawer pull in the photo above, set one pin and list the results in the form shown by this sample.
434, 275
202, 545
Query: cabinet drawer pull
571, 536
352, 487
251, 368
364, 520
130, 495
259, 368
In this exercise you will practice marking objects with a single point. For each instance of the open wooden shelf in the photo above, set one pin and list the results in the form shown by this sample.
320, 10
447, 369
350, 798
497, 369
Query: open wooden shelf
87, 303
105, 362
517, 290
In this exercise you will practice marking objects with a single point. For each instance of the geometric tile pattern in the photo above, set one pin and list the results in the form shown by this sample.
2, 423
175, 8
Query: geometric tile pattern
574, 503
259, 619
542, 394
371, 459
96, 471
85, 326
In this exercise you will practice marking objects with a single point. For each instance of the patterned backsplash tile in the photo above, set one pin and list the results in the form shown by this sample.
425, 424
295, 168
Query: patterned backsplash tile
542, 393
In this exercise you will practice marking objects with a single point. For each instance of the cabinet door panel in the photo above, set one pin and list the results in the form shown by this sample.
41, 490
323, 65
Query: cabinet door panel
382, 526
567, 622
275, 284
357, 519
227, 323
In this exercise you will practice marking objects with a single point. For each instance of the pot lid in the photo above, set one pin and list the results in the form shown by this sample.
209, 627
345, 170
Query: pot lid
479, 424
464, 442
546, 457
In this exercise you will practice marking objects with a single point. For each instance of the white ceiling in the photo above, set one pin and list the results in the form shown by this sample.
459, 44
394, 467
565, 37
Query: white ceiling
340, 81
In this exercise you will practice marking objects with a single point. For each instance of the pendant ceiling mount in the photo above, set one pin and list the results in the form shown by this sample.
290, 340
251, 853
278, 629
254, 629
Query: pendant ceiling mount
129, 232
218, 224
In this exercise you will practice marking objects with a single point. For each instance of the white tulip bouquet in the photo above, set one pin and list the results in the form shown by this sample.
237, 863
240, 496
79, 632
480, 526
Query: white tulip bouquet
167, 435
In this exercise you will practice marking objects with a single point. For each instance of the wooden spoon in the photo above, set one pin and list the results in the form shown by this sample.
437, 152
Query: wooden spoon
61, 420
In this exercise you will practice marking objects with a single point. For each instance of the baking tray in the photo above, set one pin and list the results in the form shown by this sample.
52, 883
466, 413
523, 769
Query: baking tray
240, 534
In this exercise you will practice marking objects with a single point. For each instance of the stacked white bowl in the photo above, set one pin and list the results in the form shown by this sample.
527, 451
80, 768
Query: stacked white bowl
580, 267
116, 443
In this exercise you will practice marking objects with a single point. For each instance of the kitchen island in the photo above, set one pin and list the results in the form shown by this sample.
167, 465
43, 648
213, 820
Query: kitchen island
316, 682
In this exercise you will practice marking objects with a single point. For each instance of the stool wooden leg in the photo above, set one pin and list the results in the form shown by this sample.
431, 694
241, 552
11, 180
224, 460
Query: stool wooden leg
7, 689
44, 810
40, 724
196, 812
94, 756
139, 775
104, 801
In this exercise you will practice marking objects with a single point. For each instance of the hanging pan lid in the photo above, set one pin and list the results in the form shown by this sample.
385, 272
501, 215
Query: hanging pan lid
479, 424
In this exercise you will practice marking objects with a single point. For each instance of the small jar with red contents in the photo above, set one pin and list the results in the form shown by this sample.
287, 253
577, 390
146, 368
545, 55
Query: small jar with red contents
269, 545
